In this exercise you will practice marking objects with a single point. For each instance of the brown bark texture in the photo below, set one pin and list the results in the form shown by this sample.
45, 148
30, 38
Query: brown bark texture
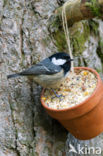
78, 10
25, 39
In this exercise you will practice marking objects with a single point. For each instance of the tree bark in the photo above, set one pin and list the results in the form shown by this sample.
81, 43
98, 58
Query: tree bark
25, 128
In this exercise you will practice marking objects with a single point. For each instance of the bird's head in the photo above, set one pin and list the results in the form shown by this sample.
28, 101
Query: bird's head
63, 60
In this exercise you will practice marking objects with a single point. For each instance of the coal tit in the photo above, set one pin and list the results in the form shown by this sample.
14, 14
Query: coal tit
50, 72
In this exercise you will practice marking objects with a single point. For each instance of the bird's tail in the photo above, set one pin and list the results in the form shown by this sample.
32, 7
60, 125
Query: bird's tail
13, 75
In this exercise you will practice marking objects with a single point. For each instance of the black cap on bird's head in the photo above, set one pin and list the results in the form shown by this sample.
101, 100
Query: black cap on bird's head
62, 59
61, 55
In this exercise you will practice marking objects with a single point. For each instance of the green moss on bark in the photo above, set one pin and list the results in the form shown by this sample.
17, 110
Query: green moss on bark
80, 35
60, 40
94, 27
100, 50
94, 7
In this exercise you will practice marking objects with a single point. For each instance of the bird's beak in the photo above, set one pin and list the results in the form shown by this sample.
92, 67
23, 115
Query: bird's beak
70, 60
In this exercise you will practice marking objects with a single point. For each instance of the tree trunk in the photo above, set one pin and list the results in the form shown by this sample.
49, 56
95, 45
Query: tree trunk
26, 37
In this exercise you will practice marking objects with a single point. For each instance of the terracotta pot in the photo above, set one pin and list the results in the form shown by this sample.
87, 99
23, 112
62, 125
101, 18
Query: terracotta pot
84, 120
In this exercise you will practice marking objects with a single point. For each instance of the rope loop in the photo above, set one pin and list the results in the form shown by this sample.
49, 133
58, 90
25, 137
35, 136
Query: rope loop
66, 32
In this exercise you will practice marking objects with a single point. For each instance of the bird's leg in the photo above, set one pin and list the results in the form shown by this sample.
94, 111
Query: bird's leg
56, 95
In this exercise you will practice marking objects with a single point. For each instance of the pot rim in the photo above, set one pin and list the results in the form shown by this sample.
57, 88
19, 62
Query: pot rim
78, 105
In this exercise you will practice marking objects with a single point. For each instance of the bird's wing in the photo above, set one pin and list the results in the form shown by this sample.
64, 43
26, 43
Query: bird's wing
44, 67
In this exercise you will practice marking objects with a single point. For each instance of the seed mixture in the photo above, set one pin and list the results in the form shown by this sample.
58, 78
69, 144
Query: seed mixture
77, 87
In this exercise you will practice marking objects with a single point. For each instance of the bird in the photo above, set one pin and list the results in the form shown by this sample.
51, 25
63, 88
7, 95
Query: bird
50, 72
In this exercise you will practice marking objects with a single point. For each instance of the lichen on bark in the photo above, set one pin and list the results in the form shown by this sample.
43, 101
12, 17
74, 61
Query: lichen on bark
25, 128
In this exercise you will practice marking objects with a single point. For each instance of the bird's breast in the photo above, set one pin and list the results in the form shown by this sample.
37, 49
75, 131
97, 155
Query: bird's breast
50, 81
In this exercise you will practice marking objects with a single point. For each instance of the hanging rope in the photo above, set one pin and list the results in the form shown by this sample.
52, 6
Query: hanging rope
66, 32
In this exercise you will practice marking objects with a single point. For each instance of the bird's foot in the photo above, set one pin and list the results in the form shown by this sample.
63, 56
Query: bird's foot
57, 96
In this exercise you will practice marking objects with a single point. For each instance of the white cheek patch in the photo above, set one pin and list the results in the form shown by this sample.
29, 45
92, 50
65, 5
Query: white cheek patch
58, 61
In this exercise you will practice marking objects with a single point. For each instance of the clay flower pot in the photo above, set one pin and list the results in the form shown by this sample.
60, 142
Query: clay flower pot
84, 120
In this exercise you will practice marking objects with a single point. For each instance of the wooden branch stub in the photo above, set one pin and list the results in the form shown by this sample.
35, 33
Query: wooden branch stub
81, 9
